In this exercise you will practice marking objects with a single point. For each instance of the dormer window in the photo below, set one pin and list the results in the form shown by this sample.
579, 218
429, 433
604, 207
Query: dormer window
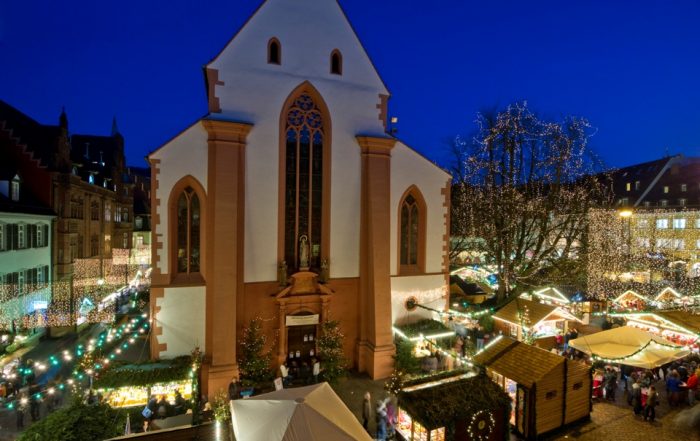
274, 51
336, 62
14, 188
75, 171
91, 178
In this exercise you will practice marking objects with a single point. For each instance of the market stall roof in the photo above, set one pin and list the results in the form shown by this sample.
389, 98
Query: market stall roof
522, 363
300, 414
666, 292
628, 293
451, 398
678, 321
551, 293
537, 312
630, 346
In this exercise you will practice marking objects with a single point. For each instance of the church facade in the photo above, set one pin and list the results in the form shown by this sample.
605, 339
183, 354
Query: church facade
291, 203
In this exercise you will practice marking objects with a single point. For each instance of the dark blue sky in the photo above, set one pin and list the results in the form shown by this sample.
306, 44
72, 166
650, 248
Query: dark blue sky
631, 68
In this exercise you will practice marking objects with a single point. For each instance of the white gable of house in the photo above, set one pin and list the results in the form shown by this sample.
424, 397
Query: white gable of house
308, 32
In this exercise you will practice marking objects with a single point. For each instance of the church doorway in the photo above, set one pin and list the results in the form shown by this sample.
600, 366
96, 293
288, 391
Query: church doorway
302, 333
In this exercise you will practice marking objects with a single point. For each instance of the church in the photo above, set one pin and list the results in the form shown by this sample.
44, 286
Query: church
292, 202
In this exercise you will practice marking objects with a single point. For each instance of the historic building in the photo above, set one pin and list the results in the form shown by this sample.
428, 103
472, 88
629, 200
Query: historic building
81, 178
290, 202
25, 250
140, 177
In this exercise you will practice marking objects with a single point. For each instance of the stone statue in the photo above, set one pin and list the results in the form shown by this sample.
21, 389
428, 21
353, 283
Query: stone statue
282, 273
303, 252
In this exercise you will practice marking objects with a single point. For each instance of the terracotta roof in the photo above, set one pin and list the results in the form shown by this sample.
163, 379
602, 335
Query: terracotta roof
536, 311
518, 361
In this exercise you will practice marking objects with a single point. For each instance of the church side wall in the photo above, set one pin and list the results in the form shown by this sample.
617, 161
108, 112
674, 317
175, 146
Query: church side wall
429, 291
181, 320
184, 155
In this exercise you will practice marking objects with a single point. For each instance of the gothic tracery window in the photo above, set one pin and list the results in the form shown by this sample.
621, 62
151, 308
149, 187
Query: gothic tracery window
409, 231
188, 232
303, 207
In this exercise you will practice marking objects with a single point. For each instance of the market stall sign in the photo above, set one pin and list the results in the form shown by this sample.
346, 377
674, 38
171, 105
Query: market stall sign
301, 320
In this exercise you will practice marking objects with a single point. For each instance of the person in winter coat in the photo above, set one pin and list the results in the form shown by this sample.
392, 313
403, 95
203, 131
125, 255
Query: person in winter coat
381, 420
650, 408
366, 411
636, 395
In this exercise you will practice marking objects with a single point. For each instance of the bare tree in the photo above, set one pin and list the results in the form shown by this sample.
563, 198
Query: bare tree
523, 187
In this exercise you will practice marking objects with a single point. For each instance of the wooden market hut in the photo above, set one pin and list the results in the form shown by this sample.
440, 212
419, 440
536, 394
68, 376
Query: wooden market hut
543, 320
668, 295
464, 407
549, 391
631, 300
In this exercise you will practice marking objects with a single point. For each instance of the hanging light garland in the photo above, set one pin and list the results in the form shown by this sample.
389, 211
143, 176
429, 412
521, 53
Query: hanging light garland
122, 337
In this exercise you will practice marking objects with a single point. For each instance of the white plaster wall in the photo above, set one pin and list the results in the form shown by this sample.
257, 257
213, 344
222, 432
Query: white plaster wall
18, 260
410, 168
255, 91
182, 317
185, 154
430, 291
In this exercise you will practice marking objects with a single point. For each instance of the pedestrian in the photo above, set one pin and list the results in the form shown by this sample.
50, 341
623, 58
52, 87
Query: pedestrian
390, 419
233, 389
673, 388
381, 420
179, 403
21, 409
652, 401
479, 338
316, 369
284, 372
692, 385
162, 407
366, 411
636, 395
610, 384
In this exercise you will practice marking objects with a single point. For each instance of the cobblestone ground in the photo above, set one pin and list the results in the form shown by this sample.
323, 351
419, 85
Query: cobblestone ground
616, 421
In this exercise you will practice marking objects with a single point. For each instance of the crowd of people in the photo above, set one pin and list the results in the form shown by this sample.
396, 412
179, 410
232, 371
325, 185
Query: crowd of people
384, 414
305, 373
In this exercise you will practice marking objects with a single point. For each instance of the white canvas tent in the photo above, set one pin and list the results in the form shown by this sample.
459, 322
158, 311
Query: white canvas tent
630, 346
301, 414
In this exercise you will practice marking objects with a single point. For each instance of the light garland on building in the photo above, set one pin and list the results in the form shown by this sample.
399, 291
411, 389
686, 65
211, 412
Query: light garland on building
481, 425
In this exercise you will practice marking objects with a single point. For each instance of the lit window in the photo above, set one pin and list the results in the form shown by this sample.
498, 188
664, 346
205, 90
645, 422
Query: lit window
678, 244
39, 276
637, 184
678, 223
697, 244
643, 242
665, 188
20, 282
663, 243
642, 223
647, 203
697, 223
629, 186
661, 224
91, 178
663, 202
682, 202
684, 187
40, 236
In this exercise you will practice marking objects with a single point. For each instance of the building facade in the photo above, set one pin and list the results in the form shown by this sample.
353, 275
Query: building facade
25, 253
81, 179
289, 202
140, 177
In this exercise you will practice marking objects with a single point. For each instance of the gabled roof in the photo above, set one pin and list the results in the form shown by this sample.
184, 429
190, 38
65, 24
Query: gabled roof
520, 362
265, 2
665, 291
40, 139
551, 293
536, 311
630, 292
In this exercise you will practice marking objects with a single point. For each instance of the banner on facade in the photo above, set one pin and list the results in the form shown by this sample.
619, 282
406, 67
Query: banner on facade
301, 320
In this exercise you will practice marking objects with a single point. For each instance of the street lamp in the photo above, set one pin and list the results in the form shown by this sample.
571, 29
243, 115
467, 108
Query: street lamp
627, 213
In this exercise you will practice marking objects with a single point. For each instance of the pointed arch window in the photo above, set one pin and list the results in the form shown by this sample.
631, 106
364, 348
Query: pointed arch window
336, 62
304, 183
412, 223
188, 231
274, 51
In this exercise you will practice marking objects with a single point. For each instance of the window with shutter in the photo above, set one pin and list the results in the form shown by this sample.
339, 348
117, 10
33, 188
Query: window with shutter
21, 237
2, 237
45, 271
45, 228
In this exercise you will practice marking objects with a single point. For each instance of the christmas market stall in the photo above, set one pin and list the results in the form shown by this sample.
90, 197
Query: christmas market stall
130, 385
678, 326
631, 300
669, 297
630, 346
523, 319
461, 408
571, 299
548, 390
430, 339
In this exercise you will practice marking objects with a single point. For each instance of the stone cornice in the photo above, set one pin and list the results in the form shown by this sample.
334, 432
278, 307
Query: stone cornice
228, 131
374, 145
